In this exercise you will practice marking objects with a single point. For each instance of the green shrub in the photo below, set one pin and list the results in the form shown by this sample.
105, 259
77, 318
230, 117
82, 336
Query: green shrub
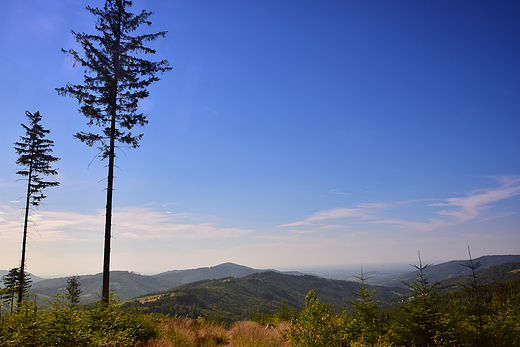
63, 325
317, 325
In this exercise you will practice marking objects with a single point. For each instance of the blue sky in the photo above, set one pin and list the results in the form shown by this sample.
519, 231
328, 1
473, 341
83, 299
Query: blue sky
288, 134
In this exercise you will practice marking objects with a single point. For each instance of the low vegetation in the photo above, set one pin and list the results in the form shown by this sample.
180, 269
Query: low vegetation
478, 315
187, 332
66, 324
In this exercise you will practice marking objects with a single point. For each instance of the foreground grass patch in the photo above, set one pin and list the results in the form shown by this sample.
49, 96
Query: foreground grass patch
187, 332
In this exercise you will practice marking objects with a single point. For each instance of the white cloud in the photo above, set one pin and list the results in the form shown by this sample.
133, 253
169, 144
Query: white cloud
471, 206
304, 231
128, 222
339, 191
373, 205
430, 225
335, 213
456, 210
332, 227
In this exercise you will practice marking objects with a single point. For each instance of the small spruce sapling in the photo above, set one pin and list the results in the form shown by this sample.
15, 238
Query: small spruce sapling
422, 317
366, 327
12, 286
73, 290
475, 291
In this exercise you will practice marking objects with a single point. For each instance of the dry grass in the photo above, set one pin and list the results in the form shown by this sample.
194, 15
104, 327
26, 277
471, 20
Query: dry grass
254, 334
185, 332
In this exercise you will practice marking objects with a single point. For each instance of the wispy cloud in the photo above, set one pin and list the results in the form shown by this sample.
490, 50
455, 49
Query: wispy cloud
4, 184
378, 205
470, 206
336, 213
128, 222
340, 192
429, 225
147, 223
415, 201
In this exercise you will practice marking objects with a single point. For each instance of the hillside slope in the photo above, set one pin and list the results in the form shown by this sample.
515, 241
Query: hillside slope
130, 285
260, 293
499, 273
206, 273
452, 269
127, 285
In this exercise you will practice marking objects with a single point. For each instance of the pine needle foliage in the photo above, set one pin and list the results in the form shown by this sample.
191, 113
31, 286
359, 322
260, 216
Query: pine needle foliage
74, 290
34, 156
476, 308
12, 286
116, 77
366, 327
422, 316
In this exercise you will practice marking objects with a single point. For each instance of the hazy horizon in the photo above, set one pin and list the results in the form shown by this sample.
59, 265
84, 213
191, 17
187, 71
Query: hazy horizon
320, 270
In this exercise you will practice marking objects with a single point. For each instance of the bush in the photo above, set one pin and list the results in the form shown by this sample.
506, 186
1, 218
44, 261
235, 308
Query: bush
317, 325
63, 325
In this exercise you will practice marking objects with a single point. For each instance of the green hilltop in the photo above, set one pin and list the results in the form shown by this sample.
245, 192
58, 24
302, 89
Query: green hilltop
261, 293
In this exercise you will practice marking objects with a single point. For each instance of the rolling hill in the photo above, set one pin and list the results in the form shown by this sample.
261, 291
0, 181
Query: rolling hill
260, 293
130, 285
499, 273
127, 285
264, 293
207, 273
445, 271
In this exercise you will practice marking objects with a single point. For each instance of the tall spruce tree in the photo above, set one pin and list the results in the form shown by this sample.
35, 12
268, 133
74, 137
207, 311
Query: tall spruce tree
116, 78
35, 157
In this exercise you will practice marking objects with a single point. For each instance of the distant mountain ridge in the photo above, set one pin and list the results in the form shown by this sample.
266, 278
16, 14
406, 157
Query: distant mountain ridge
454, 268
130, 284
498, 273
206, 273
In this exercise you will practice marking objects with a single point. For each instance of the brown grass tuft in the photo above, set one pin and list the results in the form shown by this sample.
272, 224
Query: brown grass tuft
245, 334
186, 332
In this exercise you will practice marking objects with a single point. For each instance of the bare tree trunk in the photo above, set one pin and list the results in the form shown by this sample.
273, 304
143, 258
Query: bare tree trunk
24, 240
111, 156
108, 219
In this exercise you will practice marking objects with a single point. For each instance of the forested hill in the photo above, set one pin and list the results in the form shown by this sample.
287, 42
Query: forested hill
130, 284
264, 293
204, 273
127, 285
256, 294
499, 273
454, 268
